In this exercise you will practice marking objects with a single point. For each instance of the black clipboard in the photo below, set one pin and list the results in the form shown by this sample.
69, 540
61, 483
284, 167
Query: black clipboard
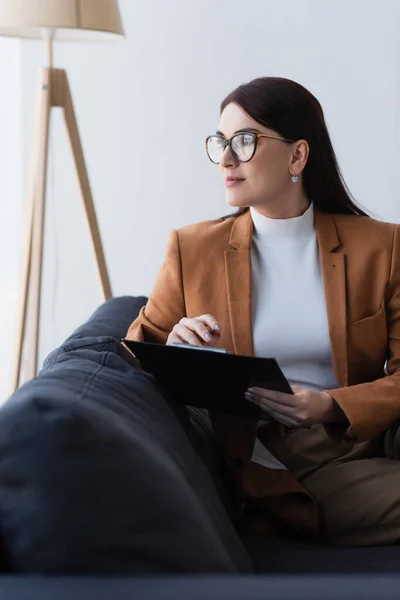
210, 378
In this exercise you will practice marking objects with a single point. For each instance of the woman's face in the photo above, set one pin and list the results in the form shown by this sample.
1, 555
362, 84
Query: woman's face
267, 176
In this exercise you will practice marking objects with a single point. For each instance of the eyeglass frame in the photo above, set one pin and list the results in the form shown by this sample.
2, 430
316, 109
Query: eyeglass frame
257, 136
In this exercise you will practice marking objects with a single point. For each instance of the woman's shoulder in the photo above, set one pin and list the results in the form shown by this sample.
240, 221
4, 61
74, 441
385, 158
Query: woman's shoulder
218, 229
366, 229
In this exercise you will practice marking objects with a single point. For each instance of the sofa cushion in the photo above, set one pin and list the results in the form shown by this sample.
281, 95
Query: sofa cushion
112, 318
97, 475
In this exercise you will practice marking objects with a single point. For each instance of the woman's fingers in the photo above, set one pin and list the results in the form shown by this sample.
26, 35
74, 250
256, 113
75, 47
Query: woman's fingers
210, 322
182, 335
203, 330
279, 397
282, 419
268, 404
196, 331
276, 415
206, 327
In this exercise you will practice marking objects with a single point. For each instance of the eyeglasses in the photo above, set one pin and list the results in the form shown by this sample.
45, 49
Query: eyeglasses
243, 145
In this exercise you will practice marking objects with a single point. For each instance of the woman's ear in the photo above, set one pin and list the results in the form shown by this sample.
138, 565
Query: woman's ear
299, 156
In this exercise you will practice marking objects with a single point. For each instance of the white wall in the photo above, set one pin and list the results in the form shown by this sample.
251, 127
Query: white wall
146, 105
10, 199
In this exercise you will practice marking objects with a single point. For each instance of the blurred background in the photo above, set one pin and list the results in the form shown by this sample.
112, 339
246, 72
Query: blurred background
144, 108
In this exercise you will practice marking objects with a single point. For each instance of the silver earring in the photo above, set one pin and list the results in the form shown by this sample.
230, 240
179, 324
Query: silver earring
295, 178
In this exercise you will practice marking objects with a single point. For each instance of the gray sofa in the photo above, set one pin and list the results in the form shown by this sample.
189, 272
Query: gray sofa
104, 493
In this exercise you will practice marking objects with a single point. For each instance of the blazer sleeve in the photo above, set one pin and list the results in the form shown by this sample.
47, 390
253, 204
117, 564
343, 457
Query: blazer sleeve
166, 304
373, 407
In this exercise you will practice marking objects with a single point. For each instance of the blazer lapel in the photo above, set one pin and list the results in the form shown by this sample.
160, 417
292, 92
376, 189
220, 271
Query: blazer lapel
237, 434
334, 277
238, 283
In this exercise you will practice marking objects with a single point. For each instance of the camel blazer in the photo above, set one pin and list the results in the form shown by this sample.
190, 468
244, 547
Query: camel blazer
207, 269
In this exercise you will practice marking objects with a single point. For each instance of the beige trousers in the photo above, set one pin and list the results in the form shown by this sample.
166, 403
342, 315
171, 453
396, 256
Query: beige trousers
356, 486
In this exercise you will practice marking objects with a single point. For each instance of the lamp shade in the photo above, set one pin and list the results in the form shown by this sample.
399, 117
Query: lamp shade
68, 20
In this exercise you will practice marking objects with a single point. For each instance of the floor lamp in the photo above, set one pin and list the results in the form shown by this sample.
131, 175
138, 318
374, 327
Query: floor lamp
51, 20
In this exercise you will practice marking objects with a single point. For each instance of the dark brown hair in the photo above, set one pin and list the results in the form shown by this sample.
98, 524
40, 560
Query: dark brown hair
294, 113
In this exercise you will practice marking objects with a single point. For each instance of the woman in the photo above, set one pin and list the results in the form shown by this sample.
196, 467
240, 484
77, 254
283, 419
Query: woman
302, 274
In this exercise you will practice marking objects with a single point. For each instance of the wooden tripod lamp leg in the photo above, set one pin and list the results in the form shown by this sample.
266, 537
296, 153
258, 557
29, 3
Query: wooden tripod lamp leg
38, 224
38, 128
23, 288
79, 160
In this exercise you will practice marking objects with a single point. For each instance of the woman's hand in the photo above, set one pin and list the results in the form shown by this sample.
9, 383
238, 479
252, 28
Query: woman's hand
303, 409
197, 331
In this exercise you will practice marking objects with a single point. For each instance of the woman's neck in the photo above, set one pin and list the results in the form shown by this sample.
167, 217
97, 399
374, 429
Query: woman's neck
283, 232
293, 205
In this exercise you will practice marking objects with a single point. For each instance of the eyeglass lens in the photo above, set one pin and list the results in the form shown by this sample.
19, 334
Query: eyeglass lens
242, 146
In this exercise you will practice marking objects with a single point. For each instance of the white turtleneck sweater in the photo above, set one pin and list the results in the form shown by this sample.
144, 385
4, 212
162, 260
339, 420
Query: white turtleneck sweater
289, 311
